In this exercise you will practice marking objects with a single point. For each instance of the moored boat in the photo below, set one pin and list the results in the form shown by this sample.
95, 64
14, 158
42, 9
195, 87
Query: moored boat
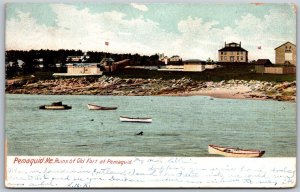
55, 106
234, 152
136, 119
97, 107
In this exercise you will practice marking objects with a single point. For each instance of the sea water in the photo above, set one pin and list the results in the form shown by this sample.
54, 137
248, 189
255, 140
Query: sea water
182, 126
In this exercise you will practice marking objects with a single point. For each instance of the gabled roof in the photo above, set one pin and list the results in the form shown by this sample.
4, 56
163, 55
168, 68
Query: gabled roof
263, 62
284, 44
232, 49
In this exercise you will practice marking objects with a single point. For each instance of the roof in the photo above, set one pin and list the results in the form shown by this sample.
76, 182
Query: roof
284, 44
232, 49
263, 62
232, 43
193, 61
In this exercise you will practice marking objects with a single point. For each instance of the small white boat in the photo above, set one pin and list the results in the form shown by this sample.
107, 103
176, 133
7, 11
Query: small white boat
234, 152
136, 119
97, 107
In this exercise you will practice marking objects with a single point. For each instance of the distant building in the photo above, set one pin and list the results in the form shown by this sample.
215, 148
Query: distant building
280, 69
193, 65
81, 69
260, 65
266, 66
161, 56
285, 54
84, 69
82, 58
166, 60
233, 52
175, 58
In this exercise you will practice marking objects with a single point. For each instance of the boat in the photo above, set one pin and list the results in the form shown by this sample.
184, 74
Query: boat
97, 107
136, 119
234, 152
55, 106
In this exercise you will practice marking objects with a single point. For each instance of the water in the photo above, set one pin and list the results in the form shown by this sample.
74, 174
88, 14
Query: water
182, 126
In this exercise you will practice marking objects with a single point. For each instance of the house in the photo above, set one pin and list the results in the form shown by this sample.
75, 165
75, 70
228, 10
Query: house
285, 54
175, 58
233, 52
260, 65
193, 65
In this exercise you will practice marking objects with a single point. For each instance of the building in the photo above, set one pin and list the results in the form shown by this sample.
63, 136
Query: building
266, 66
175, 58
260, 65
193, 65
81, 69
285, 54
233, 52
82, 58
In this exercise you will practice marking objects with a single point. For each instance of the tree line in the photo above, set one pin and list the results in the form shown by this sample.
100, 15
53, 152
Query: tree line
32, 59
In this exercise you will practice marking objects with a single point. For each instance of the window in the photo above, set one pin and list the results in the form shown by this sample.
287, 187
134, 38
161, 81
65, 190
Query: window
221, 58
237, 58
222, 53
241, 58
238, 53
225, 58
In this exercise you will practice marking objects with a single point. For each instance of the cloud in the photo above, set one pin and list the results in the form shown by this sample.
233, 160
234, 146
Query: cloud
196, 38
140, 7
204, 38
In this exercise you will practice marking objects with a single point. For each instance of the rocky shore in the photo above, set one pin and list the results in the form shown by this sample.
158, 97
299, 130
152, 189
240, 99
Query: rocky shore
105, 85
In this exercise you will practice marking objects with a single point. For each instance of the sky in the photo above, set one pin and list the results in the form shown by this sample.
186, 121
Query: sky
190, 30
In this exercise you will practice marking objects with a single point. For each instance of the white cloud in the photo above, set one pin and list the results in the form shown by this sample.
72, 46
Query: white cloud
268, 32
199, 39
140, 7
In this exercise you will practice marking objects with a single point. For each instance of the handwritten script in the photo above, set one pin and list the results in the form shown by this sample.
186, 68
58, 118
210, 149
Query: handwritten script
91, 172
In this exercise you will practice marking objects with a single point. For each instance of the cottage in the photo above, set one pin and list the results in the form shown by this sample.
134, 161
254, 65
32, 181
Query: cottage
233, 52
260, 65
193, 65
285, 54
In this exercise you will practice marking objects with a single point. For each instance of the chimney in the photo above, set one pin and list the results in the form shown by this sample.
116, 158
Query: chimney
240, 43
225, 43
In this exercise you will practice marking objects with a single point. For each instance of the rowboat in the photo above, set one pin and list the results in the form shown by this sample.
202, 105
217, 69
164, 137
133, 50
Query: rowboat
234, 152
97, 107
55, 106
136, 119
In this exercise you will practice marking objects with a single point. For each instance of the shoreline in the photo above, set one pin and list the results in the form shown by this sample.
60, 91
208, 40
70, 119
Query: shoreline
114, 86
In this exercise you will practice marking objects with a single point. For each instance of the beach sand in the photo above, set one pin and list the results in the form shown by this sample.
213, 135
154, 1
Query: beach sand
237, 92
